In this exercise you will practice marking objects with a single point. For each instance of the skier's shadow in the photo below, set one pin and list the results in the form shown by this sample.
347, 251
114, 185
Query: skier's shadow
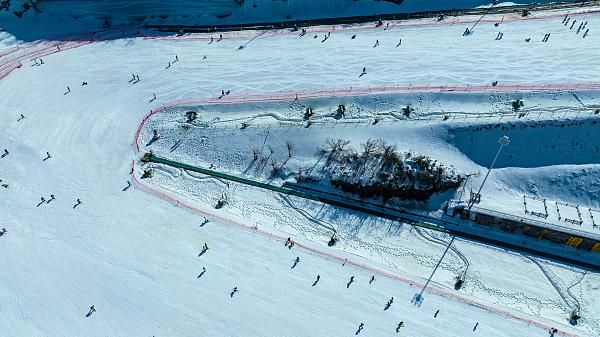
315, 283
295, 264
89, 313
201, 274
151, 141
202, 252
348, 284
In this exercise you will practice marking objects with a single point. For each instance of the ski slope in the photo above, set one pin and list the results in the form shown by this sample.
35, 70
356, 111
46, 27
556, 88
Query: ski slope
133, 252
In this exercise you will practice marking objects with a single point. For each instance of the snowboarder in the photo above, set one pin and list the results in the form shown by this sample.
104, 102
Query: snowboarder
376, 43
372, 279
436, 313
586, 33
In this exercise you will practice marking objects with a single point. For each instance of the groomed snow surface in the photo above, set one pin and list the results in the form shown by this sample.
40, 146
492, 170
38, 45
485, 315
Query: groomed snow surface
134, 252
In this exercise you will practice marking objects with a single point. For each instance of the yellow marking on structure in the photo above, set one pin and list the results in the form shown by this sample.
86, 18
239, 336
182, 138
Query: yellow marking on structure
574, 241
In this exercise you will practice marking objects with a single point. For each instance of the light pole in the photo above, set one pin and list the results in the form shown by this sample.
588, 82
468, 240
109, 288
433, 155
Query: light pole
504, 140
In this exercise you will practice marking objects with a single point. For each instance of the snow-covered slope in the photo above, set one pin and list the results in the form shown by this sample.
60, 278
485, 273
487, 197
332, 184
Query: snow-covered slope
135, 256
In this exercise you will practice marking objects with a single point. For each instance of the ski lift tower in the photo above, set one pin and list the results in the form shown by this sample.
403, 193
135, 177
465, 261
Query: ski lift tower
503, 141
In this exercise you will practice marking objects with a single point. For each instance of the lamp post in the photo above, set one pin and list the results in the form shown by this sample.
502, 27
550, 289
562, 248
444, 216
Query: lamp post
503, 141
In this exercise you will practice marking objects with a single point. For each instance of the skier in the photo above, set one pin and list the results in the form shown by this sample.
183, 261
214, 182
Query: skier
220, 37
400, 325
227, 92
353, 37
475, 327
573, 24
495, 83
169, 66
5, 153
291, 244
399, 43
379, 23
84, 83
78, 201
68, 89
137, 78
92, 310
360, 327
154, 98
22, 117
376, 43
297, 259
3, 232
364, 72
205, 248
176, 58
351, 279
41, 61
51, 198
235, 290
318, 278
287, 242
372, 279
436, 313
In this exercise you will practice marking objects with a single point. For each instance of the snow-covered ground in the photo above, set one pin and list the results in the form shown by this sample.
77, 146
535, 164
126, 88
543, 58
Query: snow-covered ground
136, 256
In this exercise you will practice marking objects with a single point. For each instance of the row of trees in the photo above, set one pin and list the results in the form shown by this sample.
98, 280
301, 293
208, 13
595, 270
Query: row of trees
380, 170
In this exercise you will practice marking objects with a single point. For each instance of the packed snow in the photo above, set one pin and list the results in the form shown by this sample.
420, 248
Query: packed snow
133, 247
